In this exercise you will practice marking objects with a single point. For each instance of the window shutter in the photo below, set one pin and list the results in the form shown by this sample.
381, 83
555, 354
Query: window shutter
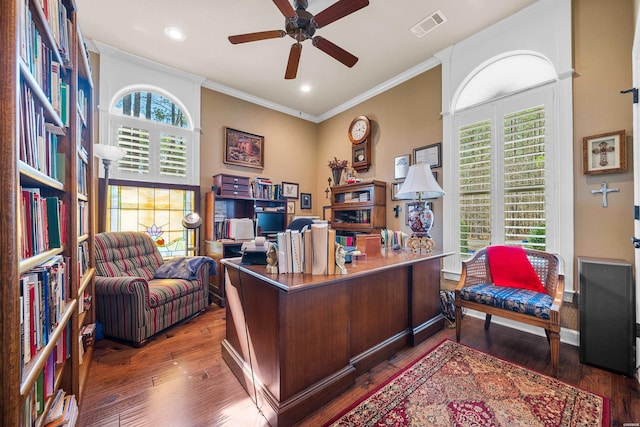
173, 155
136, 142
475, 186
524, 178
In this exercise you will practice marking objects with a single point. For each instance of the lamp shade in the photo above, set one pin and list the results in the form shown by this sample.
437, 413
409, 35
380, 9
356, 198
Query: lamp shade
109, 152
420, 183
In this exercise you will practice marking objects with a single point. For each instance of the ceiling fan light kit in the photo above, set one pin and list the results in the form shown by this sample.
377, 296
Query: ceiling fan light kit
302, 25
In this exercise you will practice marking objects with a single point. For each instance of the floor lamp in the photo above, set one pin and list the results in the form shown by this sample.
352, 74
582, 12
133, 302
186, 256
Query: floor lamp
420, 183
108, 154
192, 221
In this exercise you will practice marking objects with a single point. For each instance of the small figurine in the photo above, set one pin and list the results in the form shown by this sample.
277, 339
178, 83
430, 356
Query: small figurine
340, 259
272, 259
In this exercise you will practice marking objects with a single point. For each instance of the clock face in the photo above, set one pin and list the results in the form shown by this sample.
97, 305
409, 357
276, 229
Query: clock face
359, 129
359, 155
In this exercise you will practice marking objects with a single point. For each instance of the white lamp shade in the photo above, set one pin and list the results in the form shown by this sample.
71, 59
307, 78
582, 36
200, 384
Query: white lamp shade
109, 152
420, 181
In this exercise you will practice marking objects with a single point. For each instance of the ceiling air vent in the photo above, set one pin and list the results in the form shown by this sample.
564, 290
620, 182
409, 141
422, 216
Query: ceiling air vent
428, 24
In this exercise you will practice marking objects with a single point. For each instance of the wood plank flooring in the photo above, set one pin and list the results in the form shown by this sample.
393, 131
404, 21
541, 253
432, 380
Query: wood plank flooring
180, 380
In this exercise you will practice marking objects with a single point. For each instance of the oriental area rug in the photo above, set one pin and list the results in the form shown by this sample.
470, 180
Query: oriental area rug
454, 385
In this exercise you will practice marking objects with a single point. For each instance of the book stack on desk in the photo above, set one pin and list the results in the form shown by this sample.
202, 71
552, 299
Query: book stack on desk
311, 251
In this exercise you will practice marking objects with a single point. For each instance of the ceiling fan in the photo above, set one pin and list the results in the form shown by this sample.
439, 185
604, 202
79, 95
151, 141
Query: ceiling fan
301, 25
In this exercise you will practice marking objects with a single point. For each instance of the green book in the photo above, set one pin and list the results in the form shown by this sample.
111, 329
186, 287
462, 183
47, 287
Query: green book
53, 222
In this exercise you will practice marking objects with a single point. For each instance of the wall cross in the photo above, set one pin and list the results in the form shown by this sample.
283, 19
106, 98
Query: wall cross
604, 191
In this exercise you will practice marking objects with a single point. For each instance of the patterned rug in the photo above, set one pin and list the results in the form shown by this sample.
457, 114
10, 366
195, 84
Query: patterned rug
454, 385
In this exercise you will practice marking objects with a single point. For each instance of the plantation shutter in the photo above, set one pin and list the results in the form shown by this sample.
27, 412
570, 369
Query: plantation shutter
475, 186
173, 155
524, 178
136, 142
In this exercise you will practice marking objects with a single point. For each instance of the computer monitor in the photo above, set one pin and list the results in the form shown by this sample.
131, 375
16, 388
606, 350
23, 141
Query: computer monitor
270, 222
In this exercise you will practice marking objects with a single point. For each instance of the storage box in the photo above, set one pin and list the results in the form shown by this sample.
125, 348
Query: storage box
369, 244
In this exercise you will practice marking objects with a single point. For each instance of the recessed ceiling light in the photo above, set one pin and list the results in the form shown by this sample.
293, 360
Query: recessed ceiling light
305, 88
174, 33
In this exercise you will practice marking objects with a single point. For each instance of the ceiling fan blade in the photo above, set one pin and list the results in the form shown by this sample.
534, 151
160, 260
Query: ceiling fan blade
338, 10
335, 51
252, 37
294, 60
285, 8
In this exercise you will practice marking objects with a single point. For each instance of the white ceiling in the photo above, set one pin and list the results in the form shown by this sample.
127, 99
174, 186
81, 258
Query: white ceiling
379, 35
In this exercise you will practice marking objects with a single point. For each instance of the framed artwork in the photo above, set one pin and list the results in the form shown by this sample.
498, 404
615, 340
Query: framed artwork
290, 190
243, 148
291, 207
604, 153
326, 213
401, 166
305, 201
410, 207
430, 154
395, 187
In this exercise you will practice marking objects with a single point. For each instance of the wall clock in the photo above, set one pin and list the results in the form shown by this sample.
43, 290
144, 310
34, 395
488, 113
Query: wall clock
359, 132
359, 129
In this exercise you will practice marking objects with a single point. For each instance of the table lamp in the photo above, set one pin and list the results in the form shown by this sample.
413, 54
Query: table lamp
192, 221
420, 183
108, 154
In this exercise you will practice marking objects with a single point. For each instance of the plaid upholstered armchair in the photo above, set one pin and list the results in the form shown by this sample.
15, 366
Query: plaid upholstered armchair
138, 294
524, 285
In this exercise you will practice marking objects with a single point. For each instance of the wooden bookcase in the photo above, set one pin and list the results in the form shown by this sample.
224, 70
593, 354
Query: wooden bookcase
359, 207
56, 99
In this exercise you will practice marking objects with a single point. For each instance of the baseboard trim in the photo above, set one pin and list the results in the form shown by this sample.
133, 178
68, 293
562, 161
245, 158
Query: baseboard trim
567, 336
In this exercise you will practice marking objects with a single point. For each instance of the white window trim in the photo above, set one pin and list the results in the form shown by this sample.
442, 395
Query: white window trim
545, 27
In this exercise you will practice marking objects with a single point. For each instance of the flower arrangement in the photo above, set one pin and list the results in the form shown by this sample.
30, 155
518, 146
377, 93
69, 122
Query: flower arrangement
336, 164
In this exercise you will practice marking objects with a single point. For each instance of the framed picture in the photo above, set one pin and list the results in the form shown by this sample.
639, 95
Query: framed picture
305, 201
395, 187
289, 190
326, 213
243, 149
401, 166
604, 153
430, 154
410, 207
291, 207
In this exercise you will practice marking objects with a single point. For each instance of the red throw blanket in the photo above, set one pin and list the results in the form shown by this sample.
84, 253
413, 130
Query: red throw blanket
511, 268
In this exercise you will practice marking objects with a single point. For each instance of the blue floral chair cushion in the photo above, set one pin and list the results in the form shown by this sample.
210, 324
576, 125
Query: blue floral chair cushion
513, 299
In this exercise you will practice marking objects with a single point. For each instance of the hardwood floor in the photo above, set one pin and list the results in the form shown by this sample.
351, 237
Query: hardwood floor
179, 378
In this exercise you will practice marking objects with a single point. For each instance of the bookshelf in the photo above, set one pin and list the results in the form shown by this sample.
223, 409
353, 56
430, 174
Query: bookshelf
46, 224
359, 207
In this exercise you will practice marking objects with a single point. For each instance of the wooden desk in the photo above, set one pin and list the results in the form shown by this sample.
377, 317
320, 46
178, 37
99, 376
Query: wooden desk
296, 341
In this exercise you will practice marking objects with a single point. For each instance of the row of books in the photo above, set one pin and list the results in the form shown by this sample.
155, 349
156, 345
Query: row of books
346, 240
392, 238
235, 229
44, 291
361, 216
63, 411
83, 217
263, 188
41, 225
353, 197
38, 139
311, 251
60, 27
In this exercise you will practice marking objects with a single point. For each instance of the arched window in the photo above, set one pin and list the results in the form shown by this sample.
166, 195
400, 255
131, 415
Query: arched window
156, 133
502, 129
153, 113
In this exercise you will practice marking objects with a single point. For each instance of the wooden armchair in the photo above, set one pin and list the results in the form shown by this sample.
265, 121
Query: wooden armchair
477, 291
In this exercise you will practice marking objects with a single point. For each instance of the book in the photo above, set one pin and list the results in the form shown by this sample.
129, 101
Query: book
282, 259
308, 248
320, 235
331, 252
53, 222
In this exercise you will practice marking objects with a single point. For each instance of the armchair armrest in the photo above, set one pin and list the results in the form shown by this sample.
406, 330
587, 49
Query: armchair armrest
475, 270
121, 285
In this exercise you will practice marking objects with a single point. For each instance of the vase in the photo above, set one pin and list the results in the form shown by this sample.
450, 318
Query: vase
337, 175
